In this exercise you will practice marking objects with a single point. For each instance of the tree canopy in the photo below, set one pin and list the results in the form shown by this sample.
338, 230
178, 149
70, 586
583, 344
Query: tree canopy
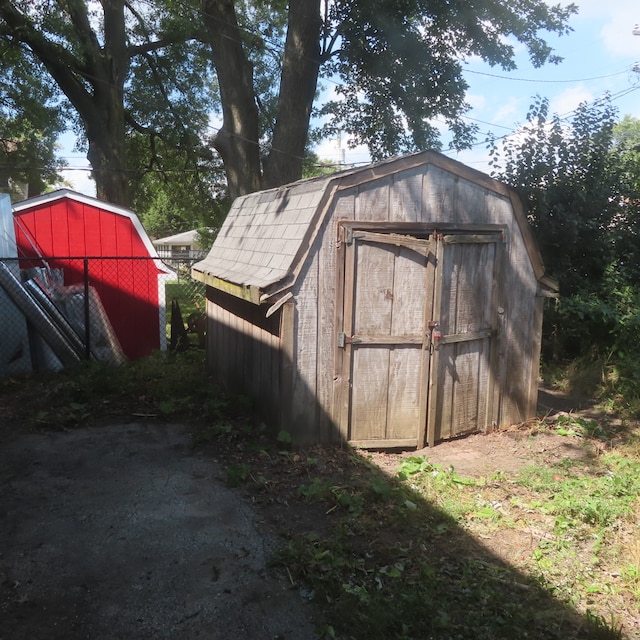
580, 182
30, 122
144, 81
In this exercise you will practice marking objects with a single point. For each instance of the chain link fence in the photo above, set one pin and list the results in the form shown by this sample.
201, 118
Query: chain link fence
59, 310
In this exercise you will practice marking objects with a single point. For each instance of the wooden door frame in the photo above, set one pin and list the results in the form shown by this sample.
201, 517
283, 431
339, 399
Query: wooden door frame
344, 309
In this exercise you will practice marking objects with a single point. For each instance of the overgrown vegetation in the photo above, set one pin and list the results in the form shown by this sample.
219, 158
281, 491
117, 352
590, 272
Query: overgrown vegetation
580, 183
419, 552
550, 552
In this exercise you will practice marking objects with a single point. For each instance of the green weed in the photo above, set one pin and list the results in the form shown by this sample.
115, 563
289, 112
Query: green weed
237, 473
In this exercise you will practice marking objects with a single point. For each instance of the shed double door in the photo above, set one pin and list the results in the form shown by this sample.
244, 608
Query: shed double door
419, 325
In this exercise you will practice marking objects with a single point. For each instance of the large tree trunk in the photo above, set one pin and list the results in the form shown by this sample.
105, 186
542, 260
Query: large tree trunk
101, 104
237, 139
298, 84
105, 123
106, 136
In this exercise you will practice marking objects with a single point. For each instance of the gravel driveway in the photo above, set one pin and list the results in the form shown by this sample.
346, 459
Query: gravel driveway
127, 532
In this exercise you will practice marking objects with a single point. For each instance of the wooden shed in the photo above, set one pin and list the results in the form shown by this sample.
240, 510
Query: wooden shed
105, 246
394, 305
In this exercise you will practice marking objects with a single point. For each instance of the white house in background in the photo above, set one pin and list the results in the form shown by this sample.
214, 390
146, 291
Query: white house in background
185, 245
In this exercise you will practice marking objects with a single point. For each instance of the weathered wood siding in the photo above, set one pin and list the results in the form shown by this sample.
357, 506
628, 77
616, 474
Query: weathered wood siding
244, 350
482, 288
422, 195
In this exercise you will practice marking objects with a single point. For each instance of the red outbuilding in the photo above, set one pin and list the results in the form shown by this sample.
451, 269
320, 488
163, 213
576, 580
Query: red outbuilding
103, 246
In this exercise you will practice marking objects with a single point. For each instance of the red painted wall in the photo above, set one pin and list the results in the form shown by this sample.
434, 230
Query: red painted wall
65, 231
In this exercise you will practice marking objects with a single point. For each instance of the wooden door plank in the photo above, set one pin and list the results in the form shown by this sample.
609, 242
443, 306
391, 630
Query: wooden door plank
462, 375
403, 403
432, 409
407, 323
373, 304
340, 363
369, 393
344, 391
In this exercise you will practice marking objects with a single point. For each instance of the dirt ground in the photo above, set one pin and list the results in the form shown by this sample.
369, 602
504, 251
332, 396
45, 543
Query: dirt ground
127, 531
482, 455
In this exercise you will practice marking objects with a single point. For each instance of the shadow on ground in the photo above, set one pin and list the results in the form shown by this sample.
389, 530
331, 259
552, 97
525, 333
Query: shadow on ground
125, 531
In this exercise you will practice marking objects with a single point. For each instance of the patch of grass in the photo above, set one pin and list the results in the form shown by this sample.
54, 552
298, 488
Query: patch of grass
164, 385
585, 504
428, 559
425, 553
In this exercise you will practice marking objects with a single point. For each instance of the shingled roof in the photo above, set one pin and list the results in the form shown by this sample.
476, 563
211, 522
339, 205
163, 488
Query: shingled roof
267, 233
262, 236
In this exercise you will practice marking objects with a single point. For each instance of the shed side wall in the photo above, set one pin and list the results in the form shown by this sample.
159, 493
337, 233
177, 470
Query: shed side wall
243, 350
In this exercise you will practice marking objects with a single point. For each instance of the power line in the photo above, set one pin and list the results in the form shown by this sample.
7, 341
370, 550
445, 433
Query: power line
534, 80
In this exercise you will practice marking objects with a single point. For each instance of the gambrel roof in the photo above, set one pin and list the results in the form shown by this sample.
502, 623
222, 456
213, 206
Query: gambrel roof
266, 234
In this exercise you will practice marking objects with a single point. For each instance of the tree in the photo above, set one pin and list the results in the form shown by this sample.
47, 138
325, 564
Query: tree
184, 193
127, 66
570, 184
94, 52
577, 182
30, 122
394, 66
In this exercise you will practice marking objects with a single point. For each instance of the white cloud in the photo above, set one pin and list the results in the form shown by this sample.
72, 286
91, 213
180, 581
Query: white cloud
80, 181
618, 17
476, 100
617, 35
509, 111
568, 100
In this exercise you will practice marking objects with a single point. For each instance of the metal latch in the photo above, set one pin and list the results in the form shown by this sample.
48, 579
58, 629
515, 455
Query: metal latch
344, 339
434, 332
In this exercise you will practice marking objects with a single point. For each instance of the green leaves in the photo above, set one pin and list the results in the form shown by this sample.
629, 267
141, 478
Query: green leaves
399, 64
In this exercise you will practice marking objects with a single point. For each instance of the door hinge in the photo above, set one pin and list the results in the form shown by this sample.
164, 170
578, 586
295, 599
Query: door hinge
344, 339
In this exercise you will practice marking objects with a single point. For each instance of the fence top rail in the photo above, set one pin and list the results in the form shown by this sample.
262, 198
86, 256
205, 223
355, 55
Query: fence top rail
47, 258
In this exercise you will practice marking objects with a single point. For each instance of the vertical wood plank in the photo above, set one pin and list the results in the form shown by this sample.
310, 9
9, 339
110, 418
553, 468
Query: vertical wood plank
373, 304
326, 246
338, 352
406, 196
374, 200
433, 410
305, 405
287, 365
344, 391
425, 368
438, 195
403, 408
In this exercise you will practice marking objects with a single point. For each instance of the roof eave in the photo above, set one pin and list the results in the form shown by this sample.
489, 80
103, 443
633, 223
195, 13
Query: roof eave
250, 293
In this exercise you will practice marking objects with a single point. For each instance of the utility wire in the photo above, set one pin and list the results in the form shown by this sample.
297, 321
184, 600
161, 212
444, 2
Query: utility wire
541, 81
278, 46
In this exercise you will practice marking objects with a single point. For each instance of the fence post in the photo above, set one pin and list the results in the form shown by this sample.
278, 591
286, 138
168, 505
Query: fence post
87, 312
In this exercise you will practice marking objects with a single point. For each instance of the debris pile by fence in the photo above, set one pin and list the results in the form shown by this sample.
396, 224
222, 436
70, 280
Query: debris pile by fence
58, 311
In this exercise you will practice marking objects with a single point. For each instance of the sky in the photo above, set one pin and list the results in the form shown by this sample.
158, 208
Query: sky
598, 57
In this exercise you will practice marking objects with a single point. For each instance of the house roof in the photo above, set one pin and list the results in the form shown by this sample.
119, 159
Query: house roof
52, 197
267, 233
185, 238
